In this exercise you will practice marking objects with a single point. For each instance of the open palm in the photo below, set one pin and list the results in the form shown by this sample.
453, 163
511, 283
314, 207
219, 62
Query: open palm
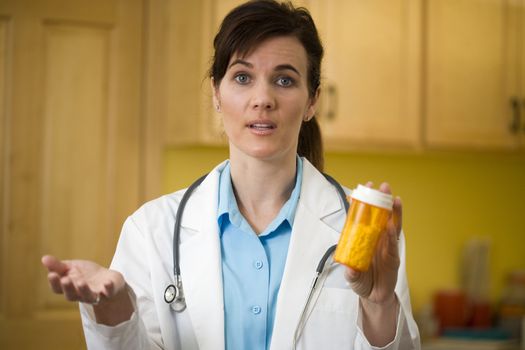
82, 280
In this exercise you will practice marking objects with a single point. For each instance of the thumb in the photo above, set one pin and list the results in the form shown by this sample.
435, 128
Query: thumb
54, 265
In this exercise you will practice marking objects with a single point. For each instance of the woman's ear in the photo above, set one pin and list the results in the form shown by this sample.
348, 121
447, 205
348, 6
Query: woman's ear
310, 112
216, 96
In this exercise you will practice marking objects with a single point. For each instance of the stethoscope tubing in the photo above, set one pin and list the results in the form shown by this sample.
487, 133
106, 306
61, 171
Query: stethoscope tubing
174, 293
177, 226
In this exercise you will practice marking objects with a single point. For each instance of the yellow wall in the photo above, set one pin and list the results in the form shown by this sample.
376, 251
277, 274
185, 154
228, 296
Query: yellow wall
448, 198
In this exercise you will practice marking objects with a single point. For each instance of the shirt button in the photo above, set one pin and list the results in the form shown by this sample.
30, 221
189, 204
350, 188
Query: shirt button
258, 264
256, 310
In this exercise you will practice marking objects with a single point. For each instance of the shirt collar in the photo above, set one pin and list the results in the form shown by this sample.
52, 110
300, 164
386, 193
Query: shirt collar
228, 204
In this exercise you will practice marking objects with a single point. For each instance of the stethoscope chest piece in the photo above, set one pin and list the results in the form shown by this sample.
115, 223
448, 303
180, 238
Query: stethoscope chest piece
169, 294
175, 297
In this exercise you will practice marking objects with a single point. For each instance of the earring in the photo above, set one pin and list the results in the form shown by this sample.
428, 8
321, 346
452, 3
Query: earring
218, 107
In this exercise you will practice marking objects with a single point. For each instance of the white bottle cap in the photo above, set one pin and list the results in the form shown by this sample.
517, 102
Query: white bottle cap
373, 197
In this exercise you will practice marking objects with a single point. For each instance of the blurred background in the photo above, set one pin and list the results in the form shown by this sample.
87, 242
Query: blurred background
104, 104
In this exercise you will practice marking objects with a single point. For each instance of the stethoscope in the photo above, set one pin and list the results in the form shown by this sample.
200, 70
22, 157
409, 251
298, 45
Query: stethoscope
174, 293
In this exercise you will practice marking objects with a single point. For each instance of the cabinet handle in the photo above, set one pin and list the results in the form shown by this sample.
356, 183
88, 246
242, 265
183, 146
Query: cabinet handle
515, 124
331, 91
523, 107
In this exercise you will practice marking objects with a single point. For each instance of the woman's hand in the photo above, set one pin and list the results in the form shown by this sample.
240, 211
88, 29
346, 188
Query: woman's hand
88, 282
376, 286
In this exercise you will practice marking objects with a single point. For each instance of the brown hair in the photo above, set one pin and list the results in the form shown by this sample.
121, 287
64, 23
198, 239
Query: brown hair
251, 23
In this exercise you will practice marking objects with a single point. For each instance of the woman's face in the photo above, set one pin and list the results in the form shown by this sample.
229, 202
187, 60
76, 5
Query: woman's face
264, 98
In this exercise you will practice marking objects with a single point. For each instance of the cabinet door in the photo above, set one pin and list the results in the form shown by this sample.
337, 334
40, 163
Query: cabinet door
211, 129
370, 89
520, 5
472, 73
70, 107
182, 56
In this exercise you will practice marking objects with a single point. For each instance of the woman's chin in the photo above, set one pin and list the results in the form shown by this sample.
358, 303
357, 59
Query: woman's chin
263, 153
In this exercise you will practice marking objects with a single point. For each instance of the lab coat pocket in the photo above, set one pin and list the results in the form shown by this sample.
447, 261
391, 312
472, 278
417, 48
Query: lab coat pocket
332, 320
336, 300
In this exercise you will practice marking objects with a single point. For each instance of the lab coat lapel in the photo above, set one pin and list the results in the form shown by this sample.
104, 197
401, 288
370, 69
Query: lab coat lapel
201, 264
311, 237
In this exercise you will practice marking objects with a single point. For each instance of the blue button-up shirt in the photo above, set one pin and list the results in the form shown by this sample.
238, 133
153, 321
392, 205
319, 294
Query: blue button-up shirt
252, 267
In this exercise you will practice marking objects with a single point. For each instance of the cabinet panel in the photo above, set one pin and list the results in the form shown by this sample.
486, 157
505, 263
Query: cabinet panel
181, 82
70, 88
472, 73
75, 148
371, 72
211, 130
372, 62
521, 59
4, 24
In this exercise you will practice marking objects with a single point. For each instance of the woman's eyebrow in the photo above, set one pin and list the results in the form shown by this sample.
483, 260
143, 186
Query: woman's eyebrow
242, 62
279, 67
287, 67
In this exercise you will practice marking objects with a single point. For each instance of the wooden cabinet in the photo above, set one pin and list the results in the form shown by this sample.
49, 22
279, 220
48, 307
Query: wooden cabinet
518, 27
70, 126
371, 84
475, 82
180, 56
370, 79
211, 130
396, 74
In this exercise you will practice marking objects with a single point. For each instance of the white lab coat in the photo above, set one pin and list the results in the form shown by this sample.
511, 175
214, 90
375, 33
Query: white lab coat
144, 257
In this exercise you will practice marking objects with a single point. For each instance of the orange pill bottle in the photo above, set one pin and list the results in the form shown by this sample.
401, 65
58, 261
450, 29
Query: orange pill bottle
367, 219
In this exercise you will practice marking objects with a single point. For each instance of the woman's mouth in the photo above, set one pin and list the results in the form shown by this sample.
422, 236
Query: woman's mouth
261, 126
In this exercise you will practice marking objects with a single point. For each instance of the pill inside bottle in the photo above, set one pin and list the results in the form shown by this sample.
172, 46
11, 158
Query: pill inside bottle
367, 219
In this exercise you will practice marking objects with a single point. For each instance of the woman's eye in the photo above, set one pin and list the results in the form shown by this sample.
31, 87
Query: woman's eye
242, 78
285, 81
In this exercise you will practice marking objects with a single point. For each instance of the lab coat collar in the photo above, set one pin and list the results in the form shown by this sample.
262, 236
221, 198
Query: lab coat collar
201, 256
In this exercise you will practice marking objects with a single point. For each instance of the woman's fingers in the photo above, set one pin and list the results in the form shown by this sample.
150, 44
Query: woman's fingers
86, 294
385, 188
54, 282
352, 275
69, 289
397, 212
82, 280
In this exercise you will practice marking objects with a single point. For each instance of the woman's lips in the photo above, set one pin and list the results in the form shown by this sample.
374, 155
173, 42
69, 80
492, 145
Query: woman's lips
262, 127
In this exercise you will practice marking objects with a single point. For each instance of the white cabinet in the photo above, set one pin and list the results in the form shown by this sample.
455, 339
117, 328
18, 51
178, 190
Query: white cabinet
371, 76
475, 80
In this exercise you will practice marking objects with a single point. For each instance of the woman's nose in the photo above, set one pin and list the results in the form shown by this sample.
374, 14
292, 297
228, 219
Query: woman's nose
263, 97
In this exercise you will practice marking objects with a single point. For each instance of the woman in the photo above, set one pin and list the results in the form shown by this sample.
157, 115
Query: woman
254, 230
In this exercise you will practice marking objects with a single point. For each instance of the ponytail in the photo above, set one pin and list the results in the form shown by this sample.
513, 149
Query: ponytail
311, 144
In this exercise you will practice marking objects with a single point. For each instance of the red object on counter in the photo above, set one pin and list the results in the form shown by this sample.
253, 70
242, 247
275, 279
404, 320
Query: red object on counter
480, 315
450, 309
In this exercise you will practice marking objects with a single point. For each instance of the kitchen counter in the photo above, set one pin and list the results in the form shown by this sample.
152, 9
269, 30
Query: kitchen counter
467, 344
